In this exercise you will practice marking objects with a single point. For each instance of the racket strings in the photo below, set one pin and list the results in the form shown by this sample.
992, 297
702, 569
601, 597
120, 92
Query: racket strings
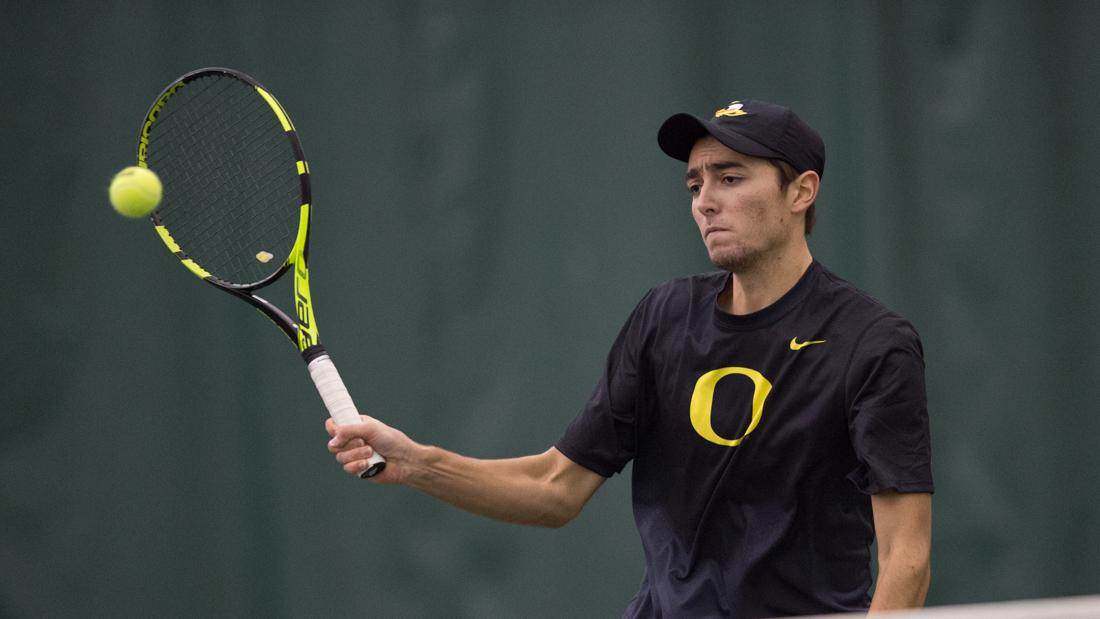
230, 178
267, 163
223, 233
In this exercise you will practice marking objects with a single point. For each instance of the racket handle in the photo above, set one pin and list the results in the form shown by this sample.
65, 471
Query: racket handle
338, 400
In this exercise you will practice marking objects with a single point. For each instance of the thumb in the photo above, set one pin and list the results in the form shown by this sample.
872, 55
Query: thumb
344, 434
340, 437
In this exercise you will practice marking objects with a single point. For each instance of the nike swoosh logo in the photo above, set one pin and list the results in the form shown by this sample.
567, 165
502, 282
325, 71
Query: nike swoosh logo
796, 345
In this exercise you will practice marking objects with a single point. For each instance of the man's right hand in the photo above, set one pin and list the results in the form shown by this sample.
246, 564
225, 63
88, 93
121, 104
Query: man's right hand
353, 444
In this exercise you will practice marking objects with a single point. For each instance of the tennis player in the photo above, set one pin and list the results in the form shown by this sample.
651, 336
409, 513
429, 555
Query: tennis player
774, 414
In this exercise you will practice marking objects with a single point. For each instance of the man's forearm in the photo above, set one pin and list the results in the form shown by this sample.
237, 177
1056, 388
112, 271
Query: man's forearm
902, 581
543, 490
903, 528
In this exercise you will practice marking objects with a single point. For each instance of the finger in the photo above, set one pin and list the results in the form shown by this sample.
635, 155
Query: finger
341, 437
344, 441
356, 468
354, 443
330, 426
336, 444
352, 455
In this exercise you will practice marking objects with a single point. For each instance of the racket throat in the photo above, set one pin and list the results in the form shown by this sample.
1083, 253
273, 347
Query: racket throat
307, 336
273, 313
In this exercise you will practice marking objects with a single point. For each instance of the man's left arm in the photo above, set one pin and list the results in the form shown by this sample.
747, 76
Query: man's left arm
903, 529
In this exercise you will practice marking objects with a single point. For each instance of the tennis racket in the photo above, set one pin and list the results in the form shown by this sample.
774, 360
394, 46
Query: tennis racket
237, 205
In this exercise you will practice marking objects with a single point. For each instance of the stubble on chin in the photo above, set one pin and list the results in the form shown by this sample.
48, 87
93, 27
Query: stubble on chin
735, 261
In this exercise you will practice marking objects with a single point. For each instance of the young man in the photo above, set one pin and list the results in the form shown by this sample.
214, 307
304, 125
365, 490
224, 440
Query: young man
775, 415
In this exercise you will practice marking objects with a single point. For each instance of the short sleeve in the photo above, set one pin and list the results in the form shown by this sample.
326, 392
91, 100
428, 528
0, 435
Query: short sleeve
888, 410
602, 437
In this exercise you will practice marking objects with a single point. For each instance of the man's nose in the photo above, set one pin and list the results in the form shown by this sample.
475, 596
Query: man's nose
704, 203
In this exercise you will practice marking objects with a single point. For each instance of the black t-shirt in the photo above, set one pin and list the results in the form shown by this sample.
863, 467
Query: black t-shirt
756, 441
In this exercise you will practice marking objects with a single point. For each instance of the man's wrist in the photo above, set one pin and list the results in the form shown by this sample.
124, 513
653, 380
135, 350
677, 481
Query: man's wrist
421, 462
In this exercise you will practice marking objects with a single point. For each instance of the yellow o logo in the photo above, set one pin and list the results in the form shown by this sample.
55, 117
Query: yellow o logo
702, 400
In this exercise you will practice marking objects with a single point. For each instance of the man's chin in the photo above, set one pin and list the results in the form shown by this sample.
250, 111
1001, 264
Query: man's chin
734, 262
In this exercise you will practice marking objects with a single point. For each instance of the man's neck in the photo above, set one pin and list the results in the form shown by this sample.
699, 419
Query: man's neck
765, 283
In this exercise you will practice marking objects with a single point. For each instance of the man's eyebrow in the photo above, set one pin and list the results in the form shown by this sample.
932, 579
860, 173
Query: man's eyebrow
717, 166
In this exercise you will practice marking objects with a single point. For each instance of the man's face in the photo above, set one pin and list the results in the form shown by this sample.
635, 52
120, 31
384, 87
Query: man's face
742, 214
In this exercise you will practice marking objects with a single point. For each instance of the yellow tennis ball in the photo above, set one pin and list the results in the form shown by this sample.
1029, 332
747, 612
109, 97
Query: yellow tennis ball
135, 191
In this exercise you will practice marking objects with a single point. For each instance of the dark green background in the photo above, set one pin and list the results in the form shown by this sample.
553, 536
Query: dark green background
490, 203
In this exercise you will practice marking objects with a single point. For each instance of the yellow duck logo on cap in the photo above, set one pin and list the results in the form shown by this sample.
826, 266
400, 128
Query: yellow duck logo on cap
733, 109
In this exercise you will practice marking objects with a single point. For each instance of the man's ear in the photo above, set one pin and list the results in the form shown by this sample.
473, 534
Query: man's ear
804, 189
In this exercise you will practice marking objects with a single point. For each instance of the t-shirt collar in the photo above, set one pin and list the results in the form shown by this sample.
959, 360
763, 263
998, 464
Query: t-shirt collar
790, 300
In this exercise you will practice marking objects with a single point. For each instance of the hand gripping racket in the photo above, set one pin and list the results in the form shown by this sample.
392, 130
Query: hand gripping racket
236, 206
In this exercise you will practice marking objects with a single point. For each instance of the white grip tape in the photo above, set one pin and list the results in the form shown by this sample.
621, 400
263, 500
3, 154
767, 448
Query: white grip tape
333, 392
338, 401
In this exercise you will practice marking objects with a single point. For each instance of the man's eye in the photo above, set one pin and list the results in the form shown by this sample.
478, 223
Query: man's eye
693, 189
729, 179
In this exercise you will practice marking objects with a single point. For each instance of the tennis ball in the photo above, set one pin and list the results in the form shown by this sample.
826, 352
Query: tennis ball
135, 191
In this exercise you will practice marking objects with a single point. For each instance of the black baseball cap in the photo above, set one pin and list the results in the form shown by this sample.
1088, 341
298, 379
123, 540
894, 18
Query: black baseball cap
755, 128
